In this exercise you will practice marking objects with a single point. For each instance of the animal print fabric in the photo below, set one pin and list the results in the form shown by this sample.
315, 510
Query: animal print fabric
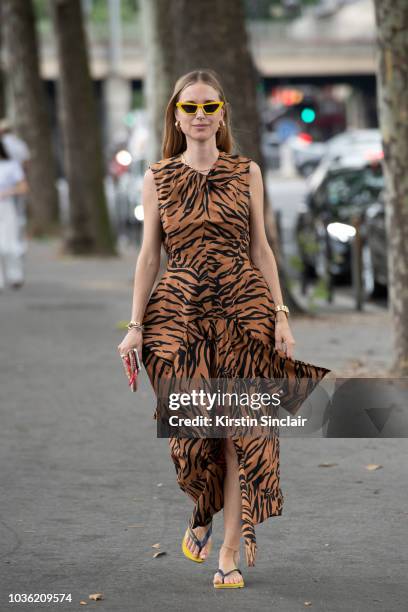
212, 315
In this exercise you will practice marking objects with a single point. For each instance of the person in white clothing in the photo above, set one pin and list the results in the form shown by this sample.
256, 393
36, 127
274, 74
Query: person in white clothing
18, 150
12, 248
15, 147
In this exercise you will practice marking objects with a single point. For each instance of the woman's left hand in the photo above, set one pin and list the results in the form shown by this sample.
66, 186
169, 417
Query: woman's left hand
284, 340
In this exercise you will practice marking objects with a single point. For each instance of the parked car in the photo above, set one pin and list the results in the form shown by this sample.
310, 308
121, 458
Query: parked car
308, 156
340, 193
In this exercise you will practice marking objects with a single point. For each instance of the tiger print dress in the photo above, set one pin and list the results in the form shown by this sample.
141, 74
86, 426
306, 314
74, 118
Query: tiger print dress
212, 315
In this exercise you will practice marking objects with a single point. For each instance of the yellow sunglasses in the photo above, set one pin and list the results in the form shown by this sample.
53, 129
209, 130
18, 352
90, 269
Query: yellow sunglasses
190, 108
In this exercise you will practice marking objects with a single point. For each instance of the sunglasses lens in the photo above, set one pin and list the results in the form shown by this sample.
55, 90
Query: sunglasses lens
211, 107
190, 109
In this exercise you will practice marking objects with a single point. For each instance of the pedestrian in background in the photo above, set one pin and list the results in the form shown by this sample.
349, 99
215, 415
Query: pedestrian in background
18, 150
12, 248
16, 147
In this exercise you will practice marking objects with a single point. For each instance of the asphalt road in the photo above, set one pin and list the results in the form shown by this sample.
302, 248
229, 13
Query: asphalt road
87, 488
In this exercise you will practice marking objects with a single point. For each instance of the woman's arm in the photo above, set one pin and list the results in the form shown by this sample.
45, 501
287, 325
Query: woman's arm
263, 257
18, 189
148, 261
147, 266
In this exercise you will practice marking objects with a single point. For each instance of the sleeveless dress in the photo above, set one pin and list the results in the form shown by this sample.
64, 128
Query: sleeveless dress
212, 315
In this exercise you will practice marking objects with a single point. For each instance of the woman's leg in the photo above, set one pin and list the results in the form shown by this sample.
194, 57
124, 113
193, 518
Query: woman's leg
201, 476
228, 559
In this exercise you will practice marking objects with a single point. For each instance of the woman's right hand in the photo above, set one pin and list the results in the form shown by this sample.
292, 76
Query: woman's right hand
133, 339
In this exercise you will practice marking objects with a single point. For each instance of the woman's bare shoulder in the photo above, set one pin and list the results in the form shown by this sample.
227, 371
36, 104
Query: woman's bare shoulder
254, 169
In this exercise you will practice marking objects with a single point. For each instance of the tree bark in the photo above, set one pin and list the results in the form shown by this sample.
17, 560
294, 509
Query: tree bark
2, 97
2, 92
27, 95
181, 36
89, 231
392, 24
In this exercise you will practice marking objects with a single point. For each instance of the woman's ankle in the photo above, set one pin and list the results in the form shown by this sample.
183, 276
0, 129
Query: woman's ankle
229, 554
231, 548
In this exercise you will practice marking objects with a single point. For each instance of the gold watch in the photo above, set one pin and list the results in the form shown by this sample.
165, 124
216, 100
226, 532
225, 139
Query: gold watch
279, 307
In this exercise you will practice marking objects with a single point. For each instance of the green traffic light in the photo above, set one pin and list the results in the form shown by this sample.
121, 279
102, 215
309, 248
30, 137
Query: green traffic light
308, 115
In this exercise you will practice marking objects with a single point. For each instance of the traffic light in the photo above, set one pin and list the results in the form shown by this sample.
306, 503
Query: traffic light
308, 114
308, 111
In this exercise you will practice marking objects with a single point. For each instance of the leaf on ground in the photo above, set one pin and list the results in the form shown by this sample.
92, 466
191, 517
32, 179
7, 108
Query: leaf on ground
95, 596
307, 603
326, 464
156, 545
158, 554
121, 325
373, 466
83, 603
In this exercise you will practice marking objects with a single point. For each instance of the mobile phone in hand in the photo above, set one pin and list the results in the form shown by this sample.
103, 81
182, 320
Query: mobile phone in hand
137, 359
135, 367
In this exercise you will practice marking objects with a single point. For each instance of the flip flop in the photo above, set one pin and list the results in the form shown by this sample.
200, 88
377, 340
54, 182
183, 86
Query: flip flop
229, 585
200, 543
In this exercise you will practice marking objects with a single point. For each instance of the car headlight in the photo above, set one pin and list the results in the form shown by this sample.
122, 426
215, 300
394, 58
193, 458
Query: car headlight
123, 158
139, 212
341, 231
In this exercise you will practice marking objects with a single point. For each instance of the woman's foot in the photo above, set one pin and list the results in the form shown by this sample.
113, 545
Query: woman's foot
228, 560
193, 548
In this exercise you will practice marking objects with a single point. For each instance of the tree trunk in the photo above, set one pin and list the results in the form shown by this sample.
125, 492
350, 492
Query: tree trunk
2, 97
181, 36
89, 227
27, 95
2, 92
392, 23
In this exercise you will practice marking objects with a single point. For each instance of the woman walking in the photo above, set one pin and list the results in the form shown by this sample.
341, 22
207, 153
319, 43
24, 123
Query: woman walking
216, 312
12, 248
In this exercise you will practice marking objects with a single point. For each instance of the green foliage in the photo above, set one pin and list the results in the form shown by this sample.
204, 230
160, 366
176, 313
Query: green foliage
320, 290
307, 243
41, 9
98, 10
274, 9
138, 100
296, 263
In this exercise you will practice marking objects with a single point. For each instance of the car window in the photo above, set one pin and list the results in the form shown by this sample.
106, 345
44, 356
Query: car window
320, 196
355, 187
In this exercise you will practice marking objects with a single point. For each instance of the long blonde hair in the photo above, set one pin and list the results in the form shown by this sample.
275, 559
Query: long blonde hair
174, 141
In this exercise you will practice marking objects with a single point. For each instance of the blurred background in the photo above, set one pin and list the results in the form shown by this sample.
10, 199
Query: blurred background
84, 85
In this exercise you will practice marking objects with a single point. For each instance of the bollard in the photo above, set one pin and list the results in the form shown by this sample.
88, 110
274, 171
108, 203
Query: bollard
356, 263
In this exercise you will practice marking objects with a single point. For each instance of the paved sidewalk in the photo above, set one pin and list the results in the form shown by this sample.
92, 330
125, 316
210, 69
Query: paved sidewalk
87, 488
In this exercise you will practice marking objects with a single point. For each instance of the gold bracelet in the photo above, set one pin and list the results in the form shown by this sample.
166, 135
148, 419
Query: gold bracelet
285, 309
135, 324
